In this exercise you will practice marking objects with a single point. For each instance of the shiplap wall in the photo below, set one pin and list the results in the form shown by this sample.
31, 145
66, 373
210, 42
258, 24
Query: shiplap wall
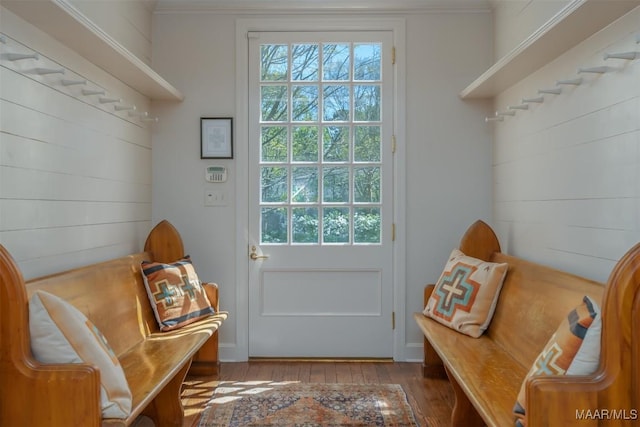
567, 172
75, 175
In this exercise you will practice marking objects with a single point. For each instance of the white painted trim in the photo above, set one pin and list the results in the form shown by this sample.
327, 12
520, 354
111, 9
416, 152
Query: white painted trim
414, 352
228, 352
243, 26
242, 192
400, 192
321, 6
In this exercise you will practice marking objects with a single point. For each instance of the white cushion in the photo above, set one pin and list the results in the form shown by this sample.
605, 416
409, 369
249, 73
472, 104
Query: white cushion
587, 358
60, 333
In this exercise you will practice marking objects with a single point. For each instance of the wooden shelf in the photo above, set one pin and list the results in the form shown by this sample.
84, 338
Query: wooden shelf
574, 23
67, 24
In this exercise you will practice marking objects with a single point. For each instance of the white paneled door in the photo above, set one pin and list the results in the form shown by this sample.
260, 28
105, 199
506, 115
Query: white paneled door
321, 194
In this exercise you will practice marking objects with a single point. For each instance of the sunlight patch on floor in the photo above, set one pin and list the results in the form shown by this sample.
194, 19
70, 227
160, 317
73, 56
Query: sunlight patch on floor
229, 391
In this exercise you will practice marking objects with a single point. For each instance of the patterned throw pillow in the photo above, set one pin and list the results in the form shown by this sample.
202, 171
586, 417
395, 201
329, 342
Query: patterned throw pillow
60, 333
466, 294
574, 349
175, 292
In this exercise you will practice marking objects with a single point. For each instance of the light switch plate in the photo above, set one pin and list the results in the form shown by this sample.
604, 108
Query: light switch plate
215, 197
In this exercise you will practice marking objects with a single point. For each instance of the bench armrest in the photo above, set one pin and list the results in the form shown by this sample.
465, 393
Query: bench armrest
428, 290
561, 400
213, 295
35, 394
32, 393
206, 361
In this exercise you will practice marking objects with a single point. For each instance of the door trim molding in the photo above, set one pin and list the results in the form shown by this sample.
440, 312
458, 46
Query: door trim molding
329, 23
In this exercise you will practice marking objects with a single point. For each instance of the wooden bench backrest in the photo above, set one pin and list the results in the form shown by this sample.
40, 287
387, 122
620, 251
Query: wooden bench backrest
533, 301
116, 285
106, 291
534, 298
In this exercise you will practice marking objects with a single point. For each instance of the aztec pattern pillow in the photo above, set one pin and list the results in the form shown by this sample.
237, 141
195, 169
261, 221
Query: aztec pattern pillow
574, 349
60, 333
466, 294
176, 293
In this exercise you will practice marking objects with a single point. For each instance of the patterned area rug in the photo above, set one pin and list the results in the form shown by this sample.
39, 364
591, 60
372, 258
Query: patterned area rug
286, 404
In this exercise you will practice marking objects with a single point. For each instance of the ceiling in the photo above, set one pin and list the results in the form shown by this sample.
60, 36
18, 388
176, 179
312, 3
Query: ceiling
322, 5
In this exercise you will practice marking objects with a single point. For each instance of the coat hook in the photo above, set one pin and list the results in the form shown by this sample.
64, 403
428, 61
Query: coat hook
539, 99
622, 55
574, 82
138, 113
506, 113
18, 56
596, 70
124, 107
552, 91
66, 82
88, 92
44, 71
487, 119
104, 100
518, 107
149, 119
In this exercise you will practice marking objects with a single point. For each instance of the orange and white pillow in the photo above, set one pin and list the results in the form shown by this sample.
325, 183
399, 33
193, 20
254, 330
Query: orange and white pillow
466, 294
175, 293
574, 349
60, 333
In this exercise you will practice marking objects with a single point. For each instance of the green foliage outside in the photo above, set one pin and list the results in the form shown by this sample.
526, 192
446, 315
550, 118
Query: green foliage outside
311, 167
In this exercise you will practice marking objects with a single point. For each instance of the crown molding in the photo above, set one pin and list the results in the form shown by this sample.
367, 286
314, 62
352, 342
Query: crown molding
309, 6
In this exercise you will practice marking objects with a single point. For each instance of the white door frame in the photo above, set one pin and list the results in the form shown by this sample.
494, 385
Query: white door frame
243, 26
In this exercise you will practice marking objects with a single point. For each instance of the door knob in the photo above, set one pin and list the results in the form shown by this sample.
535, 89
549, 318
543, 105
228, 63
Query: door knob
254, 256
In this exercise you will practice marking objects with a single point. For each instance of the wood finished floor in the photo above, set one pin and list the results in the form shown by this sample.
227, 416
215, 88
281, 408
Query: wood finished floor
431, 399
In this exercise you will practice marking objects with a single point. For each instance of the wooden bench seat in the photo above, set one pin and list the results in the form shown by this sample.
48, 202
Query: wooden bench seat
113, 297
157, 366
491, 375
486, 373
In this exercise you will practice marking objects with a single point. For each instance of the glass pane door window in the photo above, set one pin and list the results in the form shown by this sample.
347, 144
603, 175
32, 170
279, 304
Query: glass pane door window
320, 155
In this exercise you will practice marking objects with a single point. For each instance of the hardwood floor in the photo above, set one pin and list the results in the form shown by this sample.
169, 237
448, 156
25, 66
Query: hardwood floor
430, 399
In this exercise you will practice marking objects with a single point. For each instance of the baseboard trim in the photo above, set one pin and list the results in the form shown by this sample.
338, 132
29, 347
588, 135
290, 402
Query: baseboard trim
322, 359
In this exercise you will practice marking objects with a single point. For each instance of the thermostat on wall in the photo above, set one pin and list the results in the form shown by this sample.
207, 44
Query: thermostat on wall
216, 174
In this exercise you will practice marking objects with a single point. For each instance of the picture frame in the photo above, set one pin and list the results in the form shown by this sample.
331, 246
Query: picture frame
216, 138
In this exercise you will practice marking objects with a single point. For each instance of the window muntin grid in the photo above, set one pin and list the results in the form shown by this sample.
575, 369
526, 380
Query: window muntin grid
320, 143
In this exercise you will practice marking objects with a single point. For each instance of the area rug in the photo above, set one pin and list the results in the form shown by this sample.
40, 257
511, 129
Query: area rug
286, 404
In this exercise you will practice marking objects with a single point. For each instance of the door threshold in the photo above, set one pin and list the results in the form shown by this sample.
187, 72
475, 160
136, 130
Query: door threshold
323, 359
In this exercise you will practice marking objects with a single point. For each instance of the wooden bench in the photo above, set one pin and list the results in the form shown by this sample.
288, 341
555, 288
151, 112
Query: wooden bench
486, 373
112, 295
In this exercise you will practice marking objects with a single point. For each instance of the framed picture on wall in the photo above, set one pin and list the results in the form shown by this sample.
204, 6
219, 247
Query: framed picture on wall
216, 138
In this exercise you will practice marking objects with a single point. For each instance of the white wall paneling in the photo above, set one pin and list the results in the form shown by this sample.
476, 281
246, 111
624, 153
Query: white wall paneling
567, 171
75, 174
